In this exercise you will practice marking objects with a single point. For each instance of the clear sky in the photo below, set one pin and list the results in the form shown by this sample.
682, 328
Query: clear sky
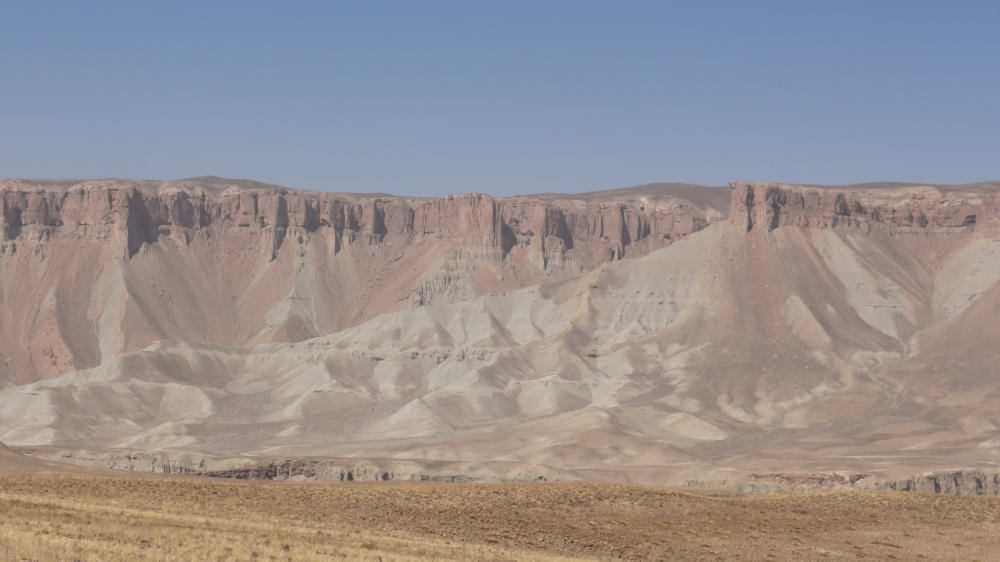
426, 97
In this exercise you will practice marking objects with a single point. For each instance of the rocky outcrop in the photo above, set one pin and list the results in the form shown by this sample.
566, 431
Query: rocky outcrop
801, 482
339, 471
151, 461
957, 483
133, 214
310, 468
766, 206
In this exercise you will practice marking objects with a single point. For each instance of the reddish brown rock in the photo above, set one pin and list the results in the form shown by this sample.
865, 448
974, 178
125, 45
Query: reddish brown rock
90, 269
886, 206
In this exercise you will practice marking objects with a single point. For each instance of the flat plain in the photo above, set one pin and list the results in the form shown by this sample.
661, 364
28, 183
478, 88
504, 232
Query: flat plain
176, 518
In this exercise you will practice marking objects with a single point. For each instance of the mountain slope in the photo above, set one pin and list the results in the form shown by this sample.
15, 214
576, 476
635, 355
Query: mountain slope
91, 269
816, 329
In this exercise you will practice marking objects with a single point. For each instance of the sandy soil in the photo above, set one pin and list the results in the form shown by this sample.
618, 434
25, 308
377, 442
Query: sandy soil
116, 518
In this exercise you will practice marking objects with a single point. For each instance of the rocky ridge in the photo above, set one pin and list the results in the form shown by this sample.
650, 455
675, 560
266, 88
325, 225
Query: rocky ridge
91, 269
132, 214
907, 208
951, 482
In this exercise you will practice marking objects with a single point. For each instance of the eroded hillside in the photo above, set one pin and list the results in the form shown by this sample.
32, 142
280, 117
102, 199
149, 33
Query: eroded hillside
818, 330
91, 269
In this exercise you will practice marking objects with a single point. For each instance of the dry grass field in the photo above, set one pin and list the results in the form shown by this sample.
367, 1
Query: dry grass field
147, 518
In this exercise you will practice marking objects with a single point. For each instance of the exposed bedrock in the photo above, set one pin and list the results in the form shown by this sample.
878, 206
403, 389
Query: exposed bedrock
953, 482
957, 483
137, 213
827, 329
91, 269
914, 208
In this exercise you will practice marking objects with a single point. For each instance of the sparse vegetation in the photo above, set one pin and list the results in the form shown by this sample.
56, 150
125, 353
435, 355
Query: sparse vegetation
147, 518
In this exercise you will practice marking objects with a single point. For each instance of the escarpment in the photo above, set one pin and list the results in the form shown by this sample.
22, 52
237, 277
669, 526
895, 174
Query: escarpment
137, 213
91, 269
818, 335
906, 208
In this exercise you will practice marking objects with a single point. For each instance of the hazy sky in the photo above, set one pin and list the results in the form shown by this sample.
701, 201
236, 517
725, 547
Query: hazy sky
425, 97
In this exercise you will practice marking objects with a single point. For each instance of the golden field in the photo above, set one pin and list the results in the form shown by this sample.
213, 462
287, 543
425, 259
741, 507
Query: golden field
149, 518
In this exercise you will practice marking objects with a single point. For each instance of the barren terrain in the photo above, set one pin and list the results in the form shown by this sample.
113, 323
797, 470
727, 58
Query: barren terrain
152, 518
93, 268
635, 335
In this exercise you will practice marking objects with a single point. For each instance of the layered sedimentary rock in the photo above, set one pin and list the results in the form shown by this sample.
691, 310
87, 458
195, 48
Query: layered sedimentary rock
897, 207
92, 269
817, 336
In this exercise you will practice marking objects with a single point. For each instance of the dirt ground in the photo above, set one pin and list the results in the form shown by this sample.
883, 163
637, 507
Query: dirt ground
147, 518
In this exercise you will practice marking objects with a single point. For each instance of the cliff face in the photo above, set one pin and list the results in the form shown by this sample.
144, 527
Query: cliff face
132, 214
957, 483
954, 482
767, 206
91, 269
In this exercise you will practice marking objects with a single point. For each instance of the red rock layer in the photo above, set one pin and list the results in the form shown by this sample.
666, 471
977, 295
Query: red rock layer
768, 206
91, 269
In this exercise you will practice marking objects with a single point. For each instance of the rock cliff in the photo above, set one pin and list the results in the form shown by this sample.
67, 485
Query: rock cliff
956, 483
898, 207
91, 269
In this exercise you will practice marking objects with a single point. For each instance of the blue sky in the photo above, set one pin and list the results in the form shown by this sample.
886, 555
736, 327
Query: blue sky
508, 97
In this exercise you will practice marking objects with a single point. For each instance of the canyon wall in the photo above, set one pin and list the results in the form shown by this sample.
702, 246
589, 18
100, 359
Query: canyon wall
91, 269
897, 207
